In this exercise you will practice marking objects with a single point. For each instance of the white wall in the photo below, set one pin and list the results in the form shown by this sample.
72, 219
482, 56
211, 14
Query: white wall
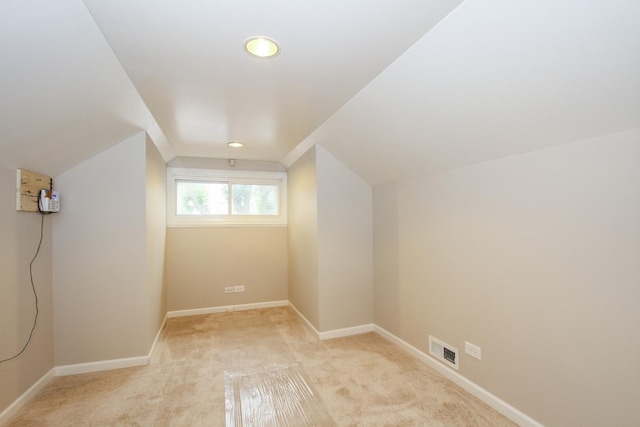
535, 258
345, 245
100, 259
19, 237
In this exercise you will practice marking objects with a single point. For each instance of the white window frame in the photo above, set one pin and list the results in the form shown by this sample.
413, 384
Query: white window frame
233, 177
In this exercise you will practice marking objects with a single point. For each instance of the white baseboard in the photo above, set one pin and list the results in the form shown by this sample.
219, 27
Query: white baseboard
226, 309
305, 321
155, 341
107, 365
25, 397
346, 332
102, 365
336, 333
495, 402
81, 368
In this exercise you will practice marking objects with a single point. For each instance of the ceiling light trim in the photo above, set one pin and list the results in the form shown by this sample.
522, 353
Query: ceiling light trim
261, 47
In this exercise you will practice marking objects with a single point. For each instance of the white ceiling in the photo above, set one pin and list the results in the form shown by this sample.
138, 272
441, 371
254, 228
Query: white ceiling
187, 61
391, 88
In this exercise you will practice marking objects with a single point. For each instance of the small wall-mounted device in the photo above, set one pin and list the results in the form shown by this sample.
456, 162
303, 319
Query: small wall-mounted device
49, 201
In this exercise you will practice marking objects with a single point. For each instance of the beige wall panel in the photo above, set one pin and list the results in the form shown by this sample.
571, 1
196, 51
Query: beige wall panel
535, 258
156, 171
202, 261
100, 262
303, 236
387, 308
345, 245
19, 236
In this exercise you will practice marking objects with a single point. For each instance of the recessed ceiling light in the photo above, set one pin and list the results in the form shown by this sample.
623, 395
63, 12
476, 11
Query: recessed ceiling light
235, 144
261, 47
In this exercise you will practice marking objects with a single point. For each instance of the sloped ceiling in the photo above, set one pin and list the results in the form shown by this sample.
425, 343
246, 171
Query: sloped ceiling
393, 89
493, 79
187, 60
64, 96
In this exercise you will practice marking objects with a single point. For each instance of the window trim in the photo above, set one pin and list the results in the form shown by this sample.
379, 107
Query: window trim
230, 176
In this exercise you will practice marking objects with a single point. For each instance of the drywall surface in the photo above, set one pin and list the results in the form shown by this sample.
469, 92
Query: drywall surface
302, 200
345, 245
225, 164
19, 237
201, 262
534, 258
100, 257
156, 193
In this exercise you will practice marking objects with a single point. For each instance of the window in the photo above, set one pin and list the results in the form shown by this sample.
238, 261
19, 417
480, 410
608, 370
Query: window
198, 197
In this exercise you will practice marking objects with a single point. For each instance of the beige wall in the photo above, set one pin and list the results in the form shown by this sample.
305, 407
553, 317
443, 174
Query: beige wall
535, 258
99, 258
302, 215
345, 246
330, 242
202, 261
223, 164
156, 192
19, 237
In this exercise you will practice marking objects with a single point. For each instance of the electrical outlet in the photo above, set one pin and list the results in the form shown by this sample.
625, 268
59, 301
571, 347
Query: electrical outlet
229, 290
239, 289
473, 350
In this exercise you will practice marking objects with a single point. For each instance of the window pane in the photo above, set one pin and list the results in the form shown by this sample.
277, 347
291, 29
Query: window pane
254, 199
202, 198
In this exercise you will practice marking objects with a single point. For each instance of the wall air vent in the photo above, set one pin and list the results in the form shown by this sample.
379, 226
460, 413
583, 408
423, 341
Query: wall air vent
444, 352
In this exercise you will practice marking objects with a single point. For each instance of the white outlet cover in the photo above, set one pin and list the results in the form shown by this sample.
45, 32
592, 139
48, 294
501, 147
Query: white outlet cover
473, 350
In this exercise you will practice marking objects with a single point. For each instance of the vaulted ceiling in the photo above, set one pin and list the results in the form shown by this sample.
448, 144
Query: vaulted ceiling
392, 89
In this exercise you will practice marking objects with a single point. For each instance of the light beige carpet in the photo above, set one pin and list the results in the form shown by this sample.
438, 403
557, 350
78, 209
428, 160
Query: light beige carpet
260, 368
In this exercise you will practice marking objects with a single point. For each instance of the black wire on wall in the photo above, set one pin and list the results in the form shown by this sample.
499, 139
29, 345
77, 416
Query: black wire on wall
35, 294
